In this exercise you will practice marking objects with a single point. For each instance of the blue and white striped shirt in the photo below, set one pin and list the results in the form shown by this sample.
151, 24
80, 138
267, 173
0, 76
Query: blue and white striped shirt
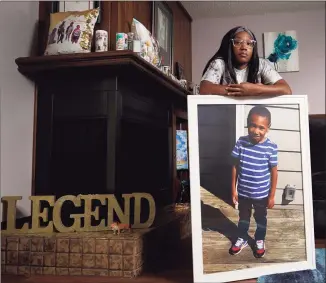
255, 162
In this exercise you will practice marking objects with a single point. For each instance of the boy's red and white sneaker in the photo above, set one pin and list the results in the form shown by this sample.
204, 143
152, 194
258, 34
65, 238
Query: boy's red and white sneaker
238, 246
259, 249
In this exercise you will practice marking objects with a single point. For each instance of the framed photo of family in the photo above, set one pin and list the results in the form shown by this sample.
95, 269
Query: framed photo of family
251, 192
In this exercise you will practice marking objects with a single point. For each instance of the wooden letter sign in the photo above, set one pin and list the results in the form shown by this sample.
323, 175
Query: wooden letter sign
81, 200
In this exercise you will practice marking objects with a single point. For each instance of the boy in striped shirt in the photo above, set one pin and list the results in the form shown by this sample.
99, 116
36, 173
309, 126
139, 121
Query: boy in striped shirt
254, 178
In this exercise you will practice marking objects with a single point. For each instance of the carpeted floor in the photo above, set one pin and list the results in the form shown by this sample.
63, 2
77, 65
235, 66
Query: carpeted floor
312, 276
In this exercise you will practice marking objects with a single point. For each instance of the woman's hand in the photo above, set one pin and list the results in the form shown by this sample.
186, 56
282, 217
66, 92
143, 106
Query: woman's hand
249, 89
242, 89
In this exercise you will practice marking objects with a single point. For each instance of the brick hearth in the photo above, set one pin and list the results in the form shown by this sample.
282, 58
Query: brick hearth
93, 253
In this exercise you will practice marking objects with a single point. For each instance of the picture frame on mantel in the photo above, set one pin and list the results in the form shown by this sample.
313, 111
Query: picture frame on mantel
179, 71
162, 30
65, 6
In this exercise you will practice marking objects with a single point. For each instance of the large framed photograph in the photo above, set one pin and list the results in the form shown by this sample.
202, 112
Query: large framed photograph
251, 192
162, 30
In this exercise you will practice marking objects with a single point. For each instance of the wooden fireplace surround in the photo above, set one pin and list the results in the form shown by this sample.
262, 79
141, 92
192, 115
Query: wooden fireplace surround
93, 114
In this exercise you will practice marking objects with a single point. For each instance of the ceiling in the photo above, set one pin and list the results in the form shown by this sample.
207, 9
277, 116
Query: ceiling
218, 9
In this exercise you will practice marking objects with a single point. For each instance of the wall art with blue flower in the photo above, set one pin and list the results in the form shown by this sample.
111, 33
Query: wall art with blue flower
281, 49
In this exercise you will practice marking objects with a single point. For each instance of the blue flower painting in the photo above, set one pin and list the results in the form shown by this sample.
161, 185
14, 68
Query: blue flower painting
182, 150
281, 49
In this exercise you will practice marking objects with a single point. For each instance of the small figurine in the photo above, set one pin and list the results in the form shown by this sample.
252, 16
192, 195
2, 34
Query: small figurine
116, 227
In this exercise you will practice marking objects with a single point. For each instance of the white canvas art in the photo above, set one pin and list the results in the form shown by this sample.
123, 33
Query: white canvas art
65, 6
282, 50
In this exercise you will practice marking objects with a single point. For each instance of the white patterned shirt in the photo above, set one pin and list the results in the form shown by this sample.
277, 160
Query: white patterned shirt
216, 74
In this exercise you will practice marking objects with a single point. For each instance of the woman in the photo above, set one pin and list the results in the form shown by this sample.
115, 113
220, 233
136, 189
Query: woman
237, 70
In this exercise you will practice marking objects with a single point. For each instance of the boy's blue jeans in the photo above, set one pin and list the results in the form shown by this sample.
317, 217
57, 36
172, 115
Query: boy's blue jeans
260, 214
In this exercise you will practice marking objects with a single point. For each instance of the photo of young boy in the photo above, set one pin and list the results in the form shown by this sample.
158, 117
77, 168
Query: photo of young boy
250, 187
254, 179
248, 156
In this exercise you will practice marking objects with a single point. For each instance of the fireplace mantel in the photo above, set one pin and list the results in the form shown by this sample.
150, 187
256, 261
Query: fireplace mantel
119, 62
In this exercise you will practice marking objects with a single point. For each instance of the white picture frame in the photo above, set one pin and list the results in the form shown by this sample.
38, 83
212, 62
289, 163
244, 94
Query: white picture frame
247, 272
68, 6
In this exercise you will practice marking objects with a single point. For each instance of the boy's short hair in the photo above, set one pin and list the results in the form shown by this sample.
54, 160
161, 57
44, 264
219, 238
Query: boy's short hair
260, 111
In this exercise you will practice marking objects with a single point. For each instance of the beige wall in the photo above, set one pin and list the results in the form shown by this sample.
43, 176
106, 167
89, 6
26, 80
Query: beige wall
17, 27
310, 26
